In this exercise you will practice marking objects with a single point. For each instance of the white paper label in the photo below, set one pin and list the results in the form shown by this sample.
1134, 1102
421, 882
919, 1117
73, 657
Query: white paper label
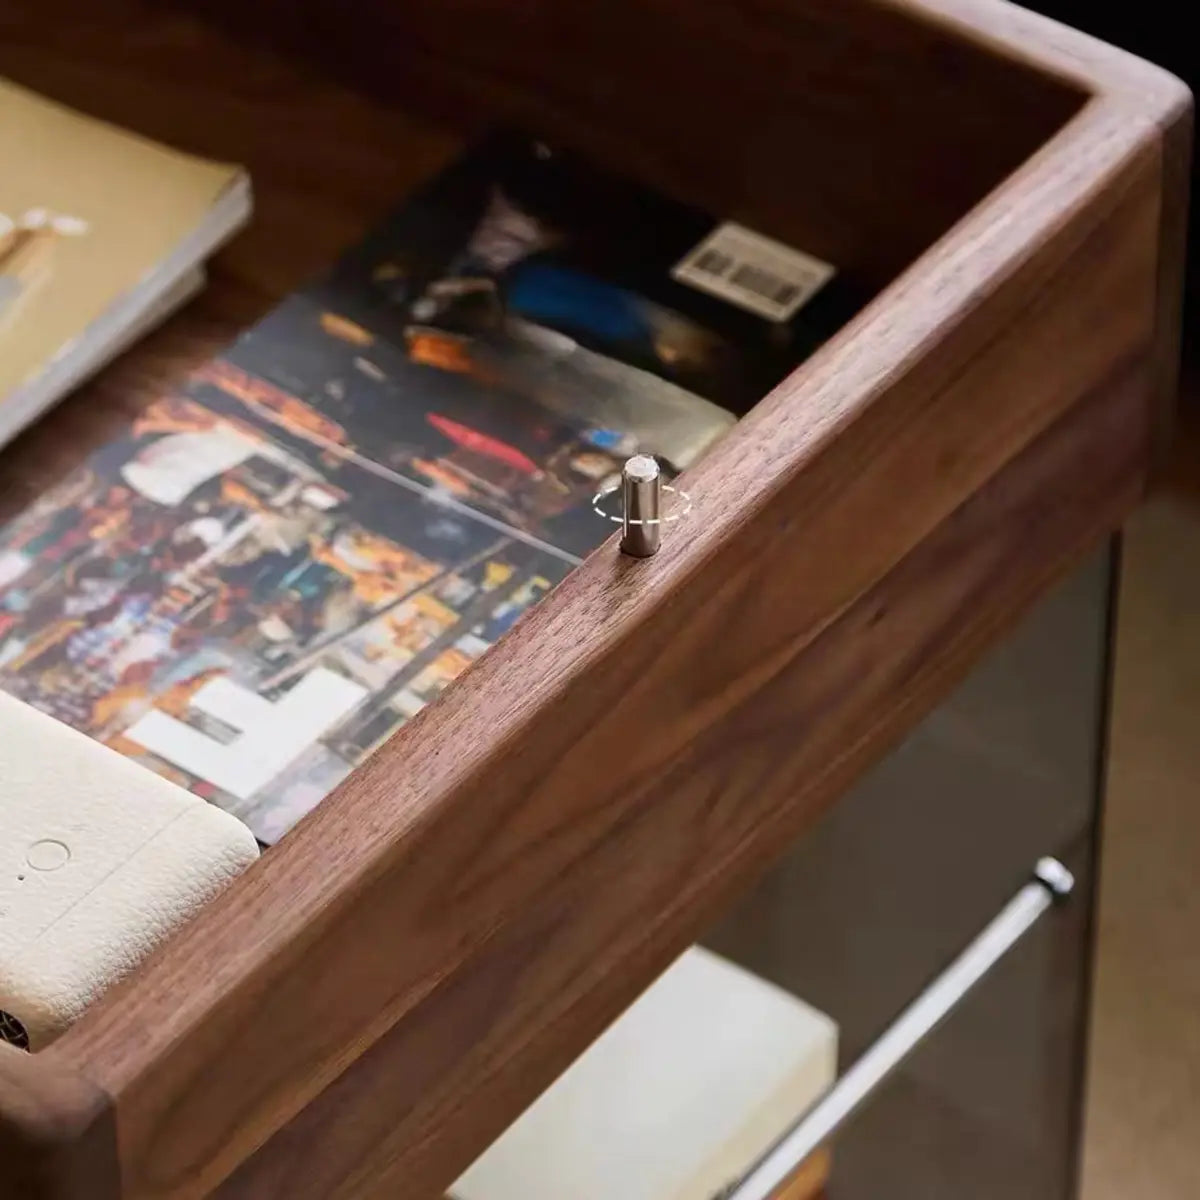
272, 733
756, 273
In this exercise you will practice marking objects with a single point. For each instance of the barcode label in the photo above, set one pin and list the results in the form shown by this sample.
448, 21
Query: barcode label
754, 272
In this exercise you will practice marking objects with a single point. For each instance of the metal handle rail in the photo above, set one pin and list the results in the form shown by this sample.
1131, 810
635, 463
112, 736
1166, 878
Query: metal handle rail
1051, 882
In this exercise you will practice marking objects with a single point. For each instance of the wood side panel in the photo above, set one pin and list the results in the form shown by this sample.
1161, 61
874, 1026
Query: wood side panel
58, 1139
1143, 89
1178, 134
427, 871
495, 1032
800, 118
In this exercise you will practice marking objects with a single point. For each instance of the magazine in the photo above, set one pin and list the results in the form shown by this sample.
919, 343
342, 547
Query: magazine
278, 564
102, 235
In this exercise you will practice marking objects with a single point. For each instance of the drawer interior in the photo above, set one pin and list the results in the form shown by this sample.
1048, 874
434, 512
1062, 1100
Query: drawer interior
844, 127
856, 134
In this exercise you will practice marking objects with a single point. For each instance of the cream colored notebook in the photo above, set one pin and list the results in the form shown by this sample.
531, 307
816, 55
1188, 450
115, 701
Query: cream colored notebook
99, 231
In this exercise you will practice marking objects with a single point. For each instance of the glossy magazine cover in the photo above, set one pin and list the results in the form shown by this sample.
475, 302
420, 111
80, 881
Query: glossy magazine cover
283, 560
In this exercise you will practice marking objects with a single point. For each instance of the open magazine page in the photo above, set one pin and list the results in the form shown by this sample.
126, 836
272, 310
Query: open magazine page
279, 564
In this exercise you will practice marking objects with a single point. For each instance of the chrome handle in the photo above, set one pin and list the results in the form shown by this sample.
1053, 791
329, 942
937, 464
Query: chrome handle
1051, 882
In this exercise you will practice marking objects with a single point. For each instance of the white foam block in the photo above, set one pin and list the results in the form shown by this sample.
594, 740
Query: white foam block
677, 1099
100, 860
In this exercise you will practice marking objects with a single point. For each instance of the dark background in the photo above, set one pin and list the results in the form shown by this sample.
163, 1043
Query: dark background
1155, 29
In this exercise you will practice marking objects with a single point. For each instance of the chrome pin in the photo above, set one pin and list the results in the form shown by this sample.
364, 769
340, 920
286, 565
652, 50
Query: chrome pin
641, 491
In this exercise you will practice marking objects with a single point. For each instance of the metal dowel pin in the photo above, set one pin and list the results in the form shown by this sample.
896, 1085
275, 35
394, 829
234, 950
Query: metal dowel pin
641, 490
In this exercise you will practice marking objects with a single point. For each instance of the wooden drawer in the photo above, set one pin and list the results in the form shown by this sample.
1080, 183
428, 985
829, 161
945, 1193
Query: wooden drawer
373, 1002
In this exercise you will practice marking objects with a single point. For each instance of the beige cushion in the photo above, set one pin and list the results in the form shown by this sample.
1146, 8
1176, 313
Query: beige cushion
674, 1101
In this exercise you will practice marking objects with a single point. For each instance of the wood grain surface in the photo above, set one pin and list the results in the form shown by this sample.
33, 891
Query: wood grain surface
488, 891
808, 1181
391, 985
57, 1134
714, 820
798, 118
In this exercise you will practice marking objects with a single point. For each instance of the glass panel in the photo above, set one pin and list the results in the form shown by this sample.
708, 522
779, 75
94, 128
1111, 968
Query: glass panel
906, 870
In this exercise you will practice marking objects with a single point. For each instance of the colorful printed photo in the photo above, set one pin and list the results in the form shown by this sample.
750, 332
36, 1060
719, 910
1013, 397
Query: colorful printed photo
279, 564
